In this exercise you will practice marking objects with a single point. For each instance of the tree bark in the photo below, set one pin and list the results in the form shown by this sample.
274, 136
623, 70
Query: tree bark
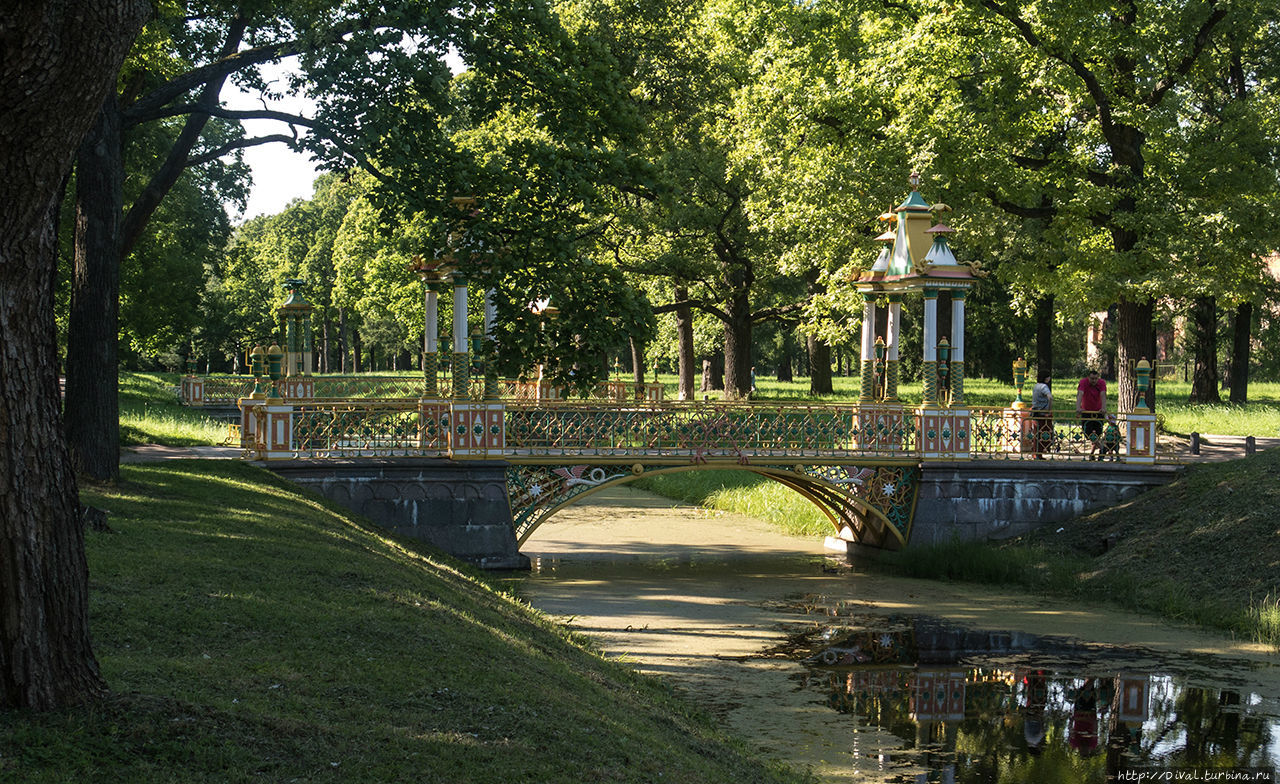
1204, 337
684, 338
637, 361
344, 342
784, 360
357, 362
1044, 335
1241, 323
819, 367
737, 348
1135, 339
91, 412
103, 237
61, 59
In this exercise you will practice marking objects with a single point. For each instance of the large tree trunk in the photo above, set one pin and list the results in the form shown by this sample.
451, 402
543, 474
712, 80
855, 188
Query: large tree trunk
1204, 337
1135, 339
684, 339
344, 341
737, 348
1241, 323
1044, 335
784, 360
92, 394
819, 367
637, 361
103, 238
60, 60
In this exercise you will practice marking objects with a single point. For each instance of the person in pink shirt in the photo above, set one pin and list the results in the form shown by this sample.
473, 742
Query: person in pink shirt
1091, 405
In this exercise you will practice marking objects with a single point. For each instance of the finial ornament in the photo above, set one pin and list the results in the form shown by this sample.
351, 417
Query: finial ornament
914, 179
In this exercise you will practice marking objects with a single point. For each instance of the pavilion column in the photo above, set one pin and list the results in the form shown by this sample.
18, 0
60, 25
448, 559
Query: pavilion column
929, 371
461, 360
491, 391
293, 357
957, 347
867, 385
308, 350
894, 329
430, 341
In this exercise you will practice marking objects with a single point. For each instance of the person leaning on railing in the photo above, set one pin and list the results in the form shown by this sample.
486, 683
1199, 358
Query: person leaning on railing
1042, 416
1091, 405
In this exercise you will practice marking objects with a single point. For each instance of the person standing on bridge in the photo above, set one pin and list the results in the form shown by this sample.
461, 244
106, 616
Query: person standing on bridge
1042, 415
1091, 405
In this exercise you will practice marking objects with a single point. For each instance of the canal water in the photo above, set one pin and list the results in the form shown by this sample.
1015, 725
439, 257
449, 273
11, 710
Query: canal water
866, 678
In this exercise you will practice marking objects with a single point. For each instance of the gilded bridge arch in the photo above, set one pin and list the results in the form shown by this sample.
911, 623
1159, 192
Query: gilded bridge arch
874, 502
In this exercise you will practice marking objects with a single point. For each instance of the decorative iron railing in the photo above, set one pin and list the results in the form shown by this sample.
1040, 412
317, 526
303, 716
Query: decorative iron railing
1012, 434
701, 430
746, 432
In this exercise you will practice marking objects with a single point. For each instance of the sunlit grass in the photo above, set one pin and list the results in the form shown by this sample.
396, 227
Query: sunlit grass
150, 413
1265, 618
251, 632
743, 492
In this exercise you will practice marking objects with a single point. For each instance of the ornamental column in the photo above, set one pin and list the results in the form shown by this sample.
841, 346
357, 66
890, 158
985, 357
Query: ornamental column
957, 347
430, 339
894, 329
461, 366
867, 385
929, 370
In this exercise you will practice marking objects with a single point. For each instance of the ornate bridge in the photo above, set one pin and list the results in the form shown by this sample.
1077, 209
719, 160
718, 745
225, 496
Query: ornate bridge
861, 464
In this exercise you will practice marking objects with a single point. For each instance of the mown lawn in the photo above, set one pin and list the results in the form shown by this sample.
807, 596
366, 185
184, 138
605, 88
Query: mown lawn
250, 632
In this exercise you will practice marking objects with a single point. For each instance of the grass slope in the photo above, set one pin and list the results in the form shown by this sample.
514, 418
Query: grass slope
1204, 549
251, 632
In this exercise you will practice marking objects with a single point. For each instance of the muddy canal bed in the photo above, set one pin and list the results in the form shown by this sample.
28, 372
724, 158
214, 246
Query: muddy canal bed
863, 677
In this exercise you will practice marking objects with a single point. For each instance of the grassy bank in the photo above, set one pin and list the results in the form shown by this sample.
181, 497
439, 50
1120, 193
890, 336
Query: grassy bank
741, 492
1203, 550
151, 414
250, 632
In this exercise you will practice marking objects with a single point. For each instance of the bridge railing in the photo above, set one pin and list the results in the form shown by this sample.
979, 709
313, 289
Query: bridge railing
703, 430
697, 431
1014, 434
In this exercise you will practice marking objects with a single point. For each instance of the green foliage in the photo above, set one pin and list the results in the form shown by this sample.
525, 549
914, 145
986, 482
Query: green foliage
250, 631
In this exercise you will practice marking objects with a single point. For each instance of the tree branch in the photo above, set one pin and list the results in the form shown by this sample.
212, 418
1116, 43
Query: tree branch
177, 110
1069, 59
240, 144
1198, 45
779, 313
147, 106
176, 161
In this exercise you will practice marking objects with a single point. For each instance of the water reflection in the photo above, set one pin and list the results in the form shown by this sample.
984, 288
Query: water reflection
937, 702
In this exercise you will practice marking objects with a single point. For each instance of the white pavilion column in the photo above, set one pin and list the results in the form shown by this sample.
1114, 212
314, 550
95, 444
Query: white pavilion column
957, 347
490, 313
430, 340
461, 364
894, 330
867, 383
929, 372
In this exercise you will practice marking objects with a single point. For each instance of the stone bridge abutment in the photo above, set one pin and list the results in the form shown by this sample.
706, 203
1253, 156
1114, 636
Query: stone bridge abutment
465, 507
